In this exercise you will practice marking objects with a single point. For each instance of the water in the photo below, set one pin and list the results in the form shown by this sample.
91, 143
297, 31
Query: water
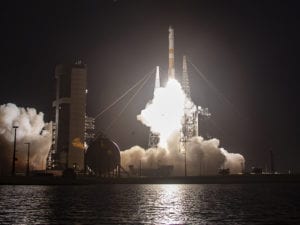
151, 204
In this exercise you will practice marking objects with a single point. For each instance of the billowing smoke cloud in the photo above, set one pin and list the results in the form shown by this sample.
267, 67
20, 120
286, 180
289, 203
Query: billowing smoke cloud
203, 157
164, 115
207, 157
31, 129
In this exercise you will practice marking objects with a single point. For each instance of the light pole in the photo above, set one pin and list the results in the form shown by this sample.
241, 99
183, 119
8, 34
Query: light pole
13, 170
28, 154
185, 150
185, 172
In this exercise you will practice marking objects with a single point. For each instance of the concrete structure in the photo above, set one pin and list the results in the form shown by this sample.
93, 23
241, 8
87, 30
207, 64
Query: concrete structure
70, 117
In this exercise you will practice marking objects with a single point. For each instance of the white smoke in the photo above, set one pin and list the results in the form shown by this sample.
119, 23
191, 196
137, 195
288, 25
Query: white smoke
164, 116
31, 129
203, 157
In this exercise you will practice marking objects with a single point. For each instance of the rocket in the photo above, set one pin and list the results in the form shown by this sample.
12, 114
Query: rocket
157, 79
171, 71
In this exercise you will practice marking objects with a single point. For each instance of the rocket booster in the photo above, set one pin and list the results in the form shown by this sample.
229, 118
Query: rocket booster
171, 71
157, 79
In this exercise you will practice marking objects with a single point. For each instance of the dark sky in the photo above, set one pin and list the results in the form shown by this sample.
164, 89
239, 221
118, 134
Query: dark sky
249, 50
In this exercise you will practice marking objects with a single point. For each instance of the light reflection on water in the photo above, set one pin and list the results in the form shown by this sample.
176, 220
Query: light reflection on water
167, 200
151, 204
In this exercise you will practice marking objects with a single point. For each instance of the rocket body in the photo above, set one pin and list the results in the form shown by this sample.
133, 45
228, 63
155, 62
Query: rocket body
171, 71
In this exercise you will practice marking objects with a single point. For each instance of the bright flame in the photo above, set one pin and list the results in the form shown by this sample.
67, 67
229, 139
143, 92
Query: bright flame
163, 115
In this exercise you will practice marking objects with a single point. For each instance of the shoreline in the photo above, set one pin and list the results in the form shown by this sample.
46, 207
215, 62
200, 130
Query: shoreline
217, 179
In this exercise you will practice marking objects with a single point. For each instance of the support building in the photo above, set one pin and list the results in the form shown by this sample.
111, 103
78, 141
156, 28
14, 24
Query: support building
70, 128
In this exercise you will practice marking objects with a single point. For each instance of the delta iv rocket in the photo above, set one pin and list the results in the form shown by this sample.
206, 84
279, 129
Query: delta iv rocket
171, 71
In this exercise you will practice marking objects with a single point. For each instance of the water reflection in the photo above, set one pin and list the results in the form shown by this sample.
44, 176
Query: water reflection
169, 204
23, 205
150, 204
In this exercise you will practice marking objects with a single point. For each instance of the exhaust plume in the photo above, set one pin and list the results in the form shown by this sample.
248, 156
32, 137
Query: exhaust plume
31, 129
164, 115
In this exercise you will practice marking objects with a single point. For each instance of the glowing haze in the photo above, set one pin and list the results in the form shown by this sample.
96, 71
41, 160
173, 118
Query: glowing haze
164, 115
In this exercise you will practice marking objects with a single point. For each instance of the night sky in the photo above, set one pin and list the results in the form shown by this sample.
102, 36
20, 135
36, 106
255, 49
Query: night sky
249, 50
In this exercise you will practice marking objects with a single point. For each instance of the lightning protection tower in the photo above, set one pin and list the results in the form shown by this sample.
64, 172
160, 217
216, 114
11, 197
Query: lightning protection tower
190, 119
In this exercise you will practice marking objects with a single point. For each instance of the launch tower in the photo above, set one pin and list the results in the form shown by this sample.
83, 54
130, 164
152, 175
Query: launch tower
191, 112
